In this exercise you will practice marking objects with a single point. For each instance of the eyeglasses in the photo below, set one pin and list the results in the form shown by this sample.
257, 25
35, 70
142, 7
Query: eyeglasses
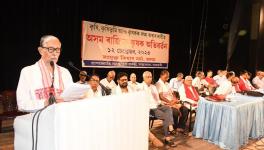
94, 80
52, 49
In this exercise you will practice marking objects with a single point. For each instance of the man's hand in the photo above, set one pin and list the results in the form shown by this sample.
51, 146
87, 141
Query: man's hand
46, 102
59, 99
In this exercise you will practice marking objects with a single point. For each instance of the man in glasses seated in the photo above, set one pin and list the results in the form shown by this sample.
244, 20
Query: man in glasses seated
44, 78
96, 90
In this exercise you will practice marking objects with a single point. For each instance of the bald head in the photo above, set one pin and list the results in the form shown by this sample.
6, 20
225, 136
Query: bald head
110, 75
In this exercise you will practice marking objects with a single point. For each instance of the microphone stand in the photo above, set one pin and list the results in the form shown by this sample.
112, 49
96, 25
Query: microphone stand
106, 90
52, 99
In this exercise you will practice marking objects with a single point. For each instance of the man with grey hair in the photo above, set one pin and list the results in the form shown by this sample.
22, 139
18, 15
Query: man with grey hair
188, 92
160, 111
44, 78
109, 82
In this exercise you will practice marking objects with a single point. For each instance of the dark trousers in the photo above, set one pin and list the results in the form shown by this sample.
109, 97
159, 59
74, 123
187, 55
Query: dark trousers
180, 121
164, 113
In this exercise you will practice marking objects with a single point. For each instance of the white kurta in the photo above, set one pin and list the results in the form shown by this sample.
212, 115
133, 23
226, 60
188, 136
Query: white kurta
225, 88
107, 84
134, 86
259, 82
31, 80
153, 94
117, 90
183, 96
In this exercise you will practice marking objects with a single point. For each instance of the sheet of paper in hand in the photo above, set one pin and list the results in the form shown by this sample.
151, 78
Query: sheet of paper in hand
75, 92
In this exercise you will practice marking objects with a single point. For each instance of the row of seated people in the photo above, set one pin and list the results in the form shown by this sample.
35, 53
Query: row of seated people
165, 97
162, 102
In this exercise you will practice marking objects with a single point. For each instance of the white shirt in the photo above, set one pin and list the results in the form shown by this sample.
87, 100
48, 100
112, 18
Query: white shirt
107, 84
259, 82
154, 99
224, 88
91, 93
183, 96
165, 89
197, 82
133, 86
175, 84
219, 80
30, 80
117, 90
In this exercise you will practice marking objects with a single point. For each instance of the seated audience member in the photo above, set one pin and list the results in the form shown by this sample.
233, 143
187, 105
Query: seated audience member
211, 82
160, 111
95, 90
83, 76
166, 95
122, 87
220, 77
258, 80
133, 82
36, 81
225, 87
109, 82
244, 83
176, 83
188, 92
197, 81
235, 81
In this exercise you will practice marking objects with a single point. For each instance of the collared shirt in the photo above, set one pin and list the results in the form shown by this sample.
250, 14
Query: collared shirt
91, 93
197, 82
164, 88
107, 84
175, 84
225, 88
154, 99
258, 82
133, 86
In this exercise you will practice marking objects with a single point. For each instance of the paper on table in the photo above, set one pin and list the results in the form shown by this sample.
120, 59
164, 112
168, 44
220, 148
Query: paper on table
74, 91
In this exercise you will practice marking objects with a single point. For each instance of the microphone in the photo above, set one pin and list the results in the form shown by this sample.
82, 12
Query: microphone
52, 97
106, 90
52, 78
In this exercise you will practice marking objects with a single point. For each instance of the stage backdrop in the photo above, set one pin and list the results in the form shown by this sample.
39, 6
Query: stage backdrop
109, 46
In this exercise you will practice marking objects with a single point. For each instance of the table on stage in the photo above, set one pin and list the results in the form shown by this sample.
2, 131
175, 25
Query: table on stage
107, 123
230, 124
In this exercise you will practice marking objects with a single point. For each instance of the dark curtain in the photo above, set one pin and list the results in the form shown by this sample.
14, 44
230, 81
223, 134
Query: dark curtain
235, 26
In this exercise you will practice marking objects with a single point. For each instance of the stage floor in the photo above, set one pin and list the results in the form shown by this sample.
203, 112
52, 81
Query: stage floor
183, 142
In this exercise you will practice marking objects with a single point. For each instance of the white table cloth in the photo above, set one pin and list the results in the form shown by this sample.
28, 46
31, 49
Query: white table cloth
107, 123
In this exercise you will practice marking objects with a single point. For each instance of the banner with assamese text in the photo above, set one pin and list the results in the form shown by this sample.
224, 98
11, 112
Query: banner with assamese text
109, 46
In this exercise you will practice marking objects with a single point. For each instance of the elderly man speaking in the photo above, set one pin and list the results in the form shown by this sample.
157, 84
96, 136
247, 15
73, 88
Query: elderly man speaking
39, 80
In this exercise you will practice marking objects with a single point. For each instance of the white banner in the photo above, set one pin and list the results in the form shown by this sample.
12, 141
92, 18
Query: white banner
109, 46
